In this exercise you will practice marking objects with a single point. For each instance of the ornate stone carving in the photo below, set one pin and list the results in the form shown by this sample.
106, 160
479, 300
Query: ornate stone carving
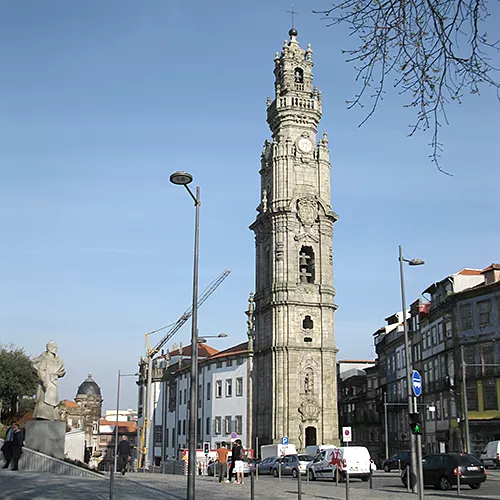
307, 210
279, 251
309, 410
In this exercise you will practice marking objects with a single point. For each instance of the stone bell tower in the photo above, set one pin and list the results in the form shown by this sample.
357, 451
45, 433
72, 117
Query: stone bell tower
295, 390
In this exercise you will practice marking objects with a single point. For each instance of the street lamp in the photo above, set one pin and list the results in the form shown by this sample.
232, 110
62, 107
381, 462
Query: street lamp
203, 340
183, 179
113, 469
412, 405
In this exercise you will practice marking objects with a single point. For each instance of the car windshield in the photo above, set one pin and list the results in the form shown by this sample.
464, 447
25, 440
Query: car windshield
306, 458
468, 460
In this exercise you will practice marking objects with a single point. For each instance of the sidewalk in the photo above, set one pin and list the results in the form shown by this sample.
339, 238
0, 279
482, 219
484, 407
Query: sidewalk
22, 485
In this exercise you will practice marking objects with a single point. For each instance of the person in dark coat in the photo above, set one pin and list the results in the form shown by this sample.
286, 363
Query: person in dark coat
236, 454
123, 454
13, 446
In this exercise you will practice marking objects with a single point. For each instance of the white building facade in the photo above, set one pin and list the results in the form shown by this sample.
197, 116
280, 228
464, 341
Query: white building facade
222, 401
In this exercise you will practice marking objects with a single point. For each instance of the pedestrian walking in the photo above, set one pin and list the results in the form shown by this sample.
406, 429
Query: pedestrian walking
222, 454
12, 448
123, 454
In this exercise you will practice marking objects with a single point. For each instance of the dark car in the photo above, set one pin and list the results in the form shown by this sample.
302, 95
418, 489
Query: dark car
266, 466
398, 461
441, 470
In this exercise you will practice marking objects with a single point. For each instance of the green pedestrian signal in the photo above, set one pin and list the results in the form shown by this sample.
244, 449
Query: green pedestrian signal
415, 425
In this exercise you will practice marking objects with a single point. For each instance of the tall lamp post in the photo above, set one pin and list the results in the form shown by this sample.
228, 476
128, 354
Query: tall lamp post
412, 404
184, 179
113, 468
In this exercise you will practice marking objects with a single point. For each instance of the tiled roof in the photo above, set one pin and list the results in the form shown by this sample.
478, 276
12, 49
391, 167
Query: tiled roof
493, 267
204, 351
129, 427
70, 404
470, 272
356, 361
232, 351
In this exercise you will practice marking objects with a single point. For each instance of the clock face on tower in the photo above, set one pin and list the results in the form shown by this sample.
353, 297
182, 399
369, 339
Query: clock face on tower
304, 145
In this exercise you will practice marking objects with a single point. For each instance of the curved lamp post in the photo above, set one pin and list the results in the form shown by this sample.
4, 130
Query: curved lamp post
184, 179
411, 409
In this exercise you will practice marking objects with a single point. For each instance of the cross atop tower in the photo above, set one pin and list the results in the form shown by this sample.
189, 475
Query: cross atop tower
293, 12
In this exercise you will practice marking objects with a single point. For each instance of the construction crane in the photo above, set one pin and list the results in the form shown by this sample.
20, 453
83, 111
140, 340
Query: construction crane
151, 352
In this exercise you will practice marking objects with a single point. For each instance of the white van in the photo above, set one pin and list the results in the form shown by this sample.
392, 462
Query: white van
353, 459
314, 449
491, 454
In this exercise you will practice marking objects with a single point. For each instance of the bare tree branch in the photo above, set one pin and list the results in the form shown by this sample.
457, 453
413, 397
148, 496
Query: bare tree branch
435, 49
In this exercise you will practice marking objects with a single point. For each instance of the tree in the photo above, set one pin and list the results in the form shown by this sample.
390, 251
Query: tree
436, 49
18, 378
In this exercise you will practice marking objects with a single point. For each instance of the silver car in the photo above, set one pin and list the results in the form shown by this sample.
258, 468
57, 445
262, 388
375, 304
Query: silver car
292, 465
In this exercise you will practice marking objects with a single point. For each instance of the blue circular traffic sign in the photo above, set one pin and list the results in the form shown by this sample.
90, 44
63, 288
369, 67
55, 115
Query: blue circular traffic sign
416, 383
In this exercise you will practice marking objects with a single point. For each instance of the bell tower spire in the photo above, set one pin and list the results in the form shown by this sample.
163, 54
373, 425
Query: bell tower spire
295, 392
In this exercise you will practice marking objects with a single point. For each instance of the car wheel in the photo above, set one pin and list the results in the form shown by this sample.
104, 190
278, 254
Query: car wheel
444, 484
294, 473
365, 478
312, 477
275, 472
475, 486
387, 468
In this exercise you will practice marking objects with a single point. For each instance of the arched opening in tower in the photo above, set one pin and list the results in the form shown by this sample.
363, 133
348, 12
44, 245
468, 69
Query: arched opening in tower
306, 265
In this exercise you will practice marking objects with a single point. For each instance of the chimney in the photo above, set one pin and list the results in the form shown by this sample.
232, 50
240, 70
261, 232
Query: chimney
491, 274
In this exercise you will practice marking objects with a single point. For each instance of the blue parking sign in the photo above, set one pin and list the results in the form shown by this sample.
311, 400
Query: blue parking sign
284, 440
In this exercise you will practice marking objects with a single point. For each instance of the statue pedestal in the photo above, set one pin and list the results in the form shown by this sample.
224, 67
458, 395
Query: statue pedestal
46, 436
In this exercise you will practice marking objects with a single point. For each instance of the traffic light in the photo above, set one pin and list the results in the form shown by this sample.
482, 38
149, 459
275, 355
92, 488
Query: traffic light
415, 425
206, 447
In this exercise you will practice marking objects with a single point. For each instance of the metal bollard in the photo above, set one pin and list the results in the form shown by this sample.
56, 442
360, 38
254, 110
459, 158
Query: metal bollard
458, 481
299, 485
252, 485
408, 478
279, 471
371, 476
336, 478
347, 487
257, 471
399, 465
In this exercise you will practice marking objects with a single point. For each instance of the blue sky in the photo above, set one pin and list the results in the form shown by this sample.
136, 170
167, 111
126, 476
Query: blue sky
101, 101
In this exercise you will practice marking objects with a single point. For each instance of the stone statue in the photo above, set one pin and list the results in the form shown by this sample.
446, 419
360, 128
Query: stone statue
49, 367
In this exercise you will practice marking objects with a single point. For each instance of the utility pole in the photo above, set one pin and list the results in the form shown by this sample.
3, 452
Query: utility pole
464, 392
386, 427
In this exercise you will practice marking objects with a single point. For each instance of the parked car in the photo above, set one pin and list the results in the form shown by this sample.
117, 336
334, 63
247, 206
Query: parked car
441, 470
214, 466
398, 461
252, 463
266, 466
491, 454
292, 465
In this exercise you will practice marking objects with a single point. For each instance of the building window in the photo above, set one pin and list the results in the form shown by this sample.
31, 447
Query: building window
158, 435
440, 332
299, 75
184, 427
484, 312
180, 397
227, 424
209, 391
229, 387
307, 323
173, 436
239, 386
185, 397
207, 426
306, 265
218, 364
465, 317
179, 427
487, 360
218, 388
472, 400
218, 425
447, 327
166, 437
229, 362
238, 428
490, 394
239, 361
